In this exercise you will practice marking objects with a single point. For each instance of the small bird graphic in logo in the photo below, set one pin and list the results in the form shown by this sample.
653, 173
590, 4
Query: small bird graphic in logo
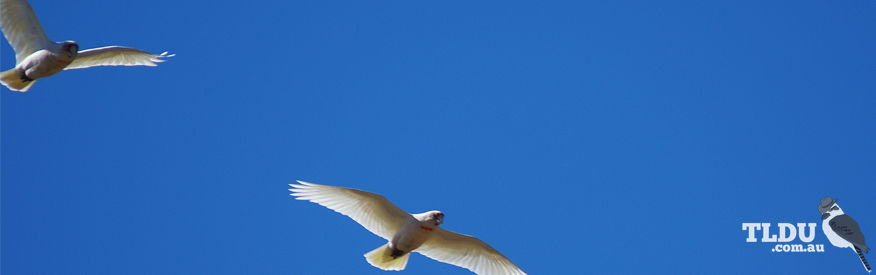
842, 230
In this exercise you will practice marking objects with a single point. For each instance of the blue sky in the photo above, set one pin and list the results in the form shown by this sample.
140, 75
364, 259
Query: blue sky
608, 137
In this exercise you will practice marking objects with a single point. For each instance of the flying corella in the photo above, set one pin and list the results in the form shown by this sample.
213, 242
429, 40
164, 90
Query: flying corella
36, 56
405, 232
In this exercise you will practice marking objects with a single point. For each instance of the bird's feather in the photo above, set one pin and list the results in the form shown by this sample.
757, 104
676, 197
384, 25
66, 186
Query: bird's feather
21, 28
115, 56
372, 211
467, 252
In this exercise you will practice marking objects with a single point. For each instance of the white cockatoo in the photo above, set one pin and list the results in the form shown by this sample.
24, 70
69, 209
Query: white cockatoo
406, 232
36, 56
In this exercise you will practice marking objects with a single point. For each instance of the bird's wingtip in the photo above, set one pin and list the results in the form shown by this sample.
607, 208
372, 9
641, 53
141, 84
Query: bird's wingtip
305, 183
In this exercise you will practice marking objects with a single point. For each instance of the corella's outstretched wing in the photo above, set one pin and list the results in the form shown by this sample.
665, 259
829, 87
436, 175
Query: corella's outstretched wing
116, 56
468, 252
372, 211
22, 29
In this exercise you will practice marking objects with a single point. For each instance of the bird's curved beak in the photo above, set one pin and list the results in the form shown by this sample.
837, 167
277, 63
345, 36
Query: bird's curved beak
825, 216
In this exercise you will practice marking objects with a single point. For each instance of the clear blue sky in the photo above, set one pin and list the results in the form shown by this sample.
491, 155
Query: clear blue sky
573, 136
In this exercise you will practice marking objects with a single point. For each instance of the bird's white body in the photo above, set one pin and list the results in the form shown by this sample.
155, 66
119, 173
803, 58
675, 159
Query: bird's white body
37, 57
394, 255
414, 233
44, 63
406, 233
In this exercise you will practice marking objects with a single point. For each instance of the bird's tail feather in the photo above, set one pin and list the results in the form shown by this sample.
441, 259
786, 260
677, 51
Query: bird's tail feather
15, 80
863, 260
383, 258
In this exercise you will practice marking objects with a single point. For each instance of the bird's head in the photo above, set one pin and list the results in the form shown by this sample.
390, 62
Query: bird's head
70, 48
434, 217
829, 208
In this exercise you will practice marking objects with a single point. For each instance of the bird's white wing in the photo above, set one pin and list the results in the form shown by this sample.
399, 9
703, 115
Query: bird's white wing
115, 56
21, 28
468, 252
372, 211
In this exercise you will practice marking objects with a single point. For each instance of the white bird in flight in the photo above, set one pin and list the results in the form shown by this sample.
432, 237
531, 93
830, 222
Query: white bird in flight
406, 232
36, 56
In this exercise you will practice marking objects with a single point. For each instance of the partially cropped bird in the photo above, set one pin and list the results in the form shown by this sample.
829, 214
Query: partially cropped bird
36, 56
405, 232
841, 230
